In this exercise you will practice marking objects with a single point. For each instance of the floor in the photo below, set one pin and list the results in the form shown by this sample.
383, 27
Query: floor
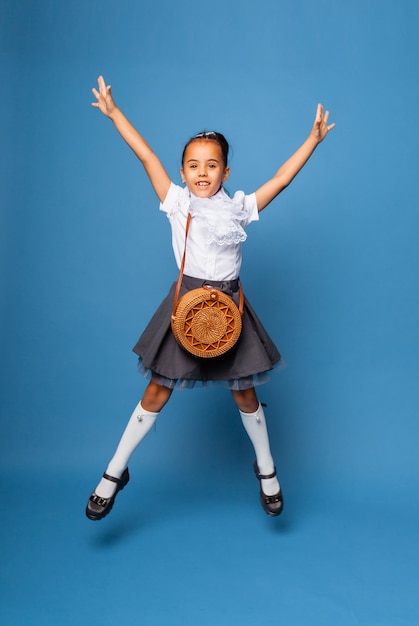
200, 550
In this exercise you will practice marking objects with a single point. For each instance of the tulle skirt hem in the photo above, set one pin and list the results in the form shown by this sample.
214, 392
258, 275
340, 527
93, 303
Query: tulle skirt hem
235, 384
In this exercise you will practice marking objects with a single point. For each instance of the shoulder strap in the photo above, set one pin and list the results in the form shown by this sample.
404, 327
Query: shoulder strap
181, 270
182, 267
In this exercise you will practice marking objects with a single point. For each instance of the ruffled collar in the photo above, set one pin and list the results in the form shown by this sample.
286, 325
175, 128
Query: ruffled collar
221, 217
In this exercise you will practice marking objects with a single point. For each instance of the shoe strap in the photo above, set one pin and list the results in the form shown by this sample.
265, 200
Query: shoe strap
112, 478
264, 476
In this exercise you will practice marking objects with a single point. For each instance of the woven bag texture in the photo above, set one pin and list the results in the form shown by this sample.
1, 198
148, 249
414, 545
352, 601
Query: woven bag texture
207, 323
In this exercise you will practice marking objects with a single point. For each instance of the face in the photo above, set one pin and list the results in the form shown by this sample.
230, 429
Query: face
203, 168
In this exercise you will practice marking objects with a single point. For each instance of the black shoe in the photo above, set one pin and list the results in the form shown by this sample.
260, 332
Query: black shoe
271, 504
98, 507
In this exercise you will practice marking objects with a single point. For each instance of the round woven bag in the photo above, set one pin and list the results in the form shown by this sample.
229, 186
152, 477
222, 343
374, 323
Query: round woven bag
206, 323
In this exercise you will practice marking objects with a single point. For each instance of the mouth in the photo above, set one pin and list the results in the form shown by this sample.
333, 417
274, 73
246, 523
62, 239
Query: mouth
202, 183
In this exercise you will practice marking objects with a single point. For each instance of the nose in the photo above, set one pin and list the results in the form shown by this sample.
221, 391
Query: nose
202, 169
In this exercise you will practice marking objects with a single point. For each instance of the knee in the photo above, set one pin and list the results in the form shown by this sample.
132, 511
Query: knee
246, 400
155, 397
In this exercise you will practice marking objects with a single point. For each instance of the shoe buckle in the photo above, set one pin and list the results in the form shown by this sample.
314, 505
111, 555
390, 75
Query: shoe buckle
98, 500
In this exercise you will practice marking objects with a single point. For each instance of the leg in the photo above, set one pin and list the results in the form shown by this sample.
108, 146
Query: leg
254, 422
253, 419
246, 400
155, 397
141, 421
139, 424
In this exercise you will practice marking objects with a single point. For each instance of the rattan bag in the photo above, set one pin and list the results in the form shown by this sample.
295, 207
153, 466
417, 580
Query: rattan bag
205, 321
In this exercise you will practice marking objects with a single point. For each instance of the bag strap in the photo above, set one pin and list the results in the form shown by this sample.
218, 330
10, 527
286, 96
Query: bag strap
182, 267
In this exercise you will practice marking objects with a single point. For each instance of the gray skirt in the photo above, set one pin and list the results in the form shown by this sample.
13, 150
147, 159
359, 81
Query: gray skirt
163, 360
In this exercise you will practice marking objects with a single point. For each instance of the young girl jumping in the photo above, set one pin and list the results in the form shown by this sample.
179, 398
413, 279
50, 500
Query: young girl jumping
217, 230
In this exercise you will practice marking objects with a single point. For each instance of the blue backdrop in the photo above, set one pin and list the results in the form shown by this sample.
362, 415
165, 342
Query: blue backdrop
331, 267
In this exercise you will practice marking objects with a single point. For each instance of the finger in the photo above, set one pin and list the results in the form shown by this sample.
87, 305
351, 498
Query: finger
95, 93
331, 126
101, 83
319, 112
95, 104
326, 117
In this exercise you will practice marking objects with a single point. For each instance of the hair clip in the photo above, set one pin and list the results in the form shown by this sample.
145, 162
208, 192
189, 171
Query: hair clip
206, 135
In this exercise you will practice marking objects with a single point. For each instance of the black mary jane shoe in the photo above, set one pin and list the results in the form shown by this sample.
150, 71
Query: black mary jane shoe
98, 507
271, 504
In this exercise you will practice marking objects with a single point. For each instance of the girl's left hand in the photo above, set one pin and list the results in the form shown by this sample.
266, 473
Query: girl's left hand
320, 126
104, 98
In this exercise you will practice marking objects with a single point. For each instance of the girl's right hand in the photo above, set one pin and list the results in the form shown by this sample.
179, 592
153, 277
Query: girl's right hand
321, 126
104, 98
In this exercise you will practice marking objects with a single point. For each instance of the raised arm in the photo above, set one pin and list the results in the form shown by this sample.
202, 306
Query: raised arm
288, 171
152, 165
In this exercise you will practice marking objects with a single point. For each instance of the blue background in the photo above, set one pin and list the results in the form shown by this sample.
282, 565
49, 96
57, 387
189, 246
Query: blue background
331, 269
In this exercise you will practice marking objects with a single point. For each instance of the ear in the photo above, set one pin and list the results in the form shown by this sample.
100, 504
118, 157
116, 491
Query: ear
182, 175
226, 174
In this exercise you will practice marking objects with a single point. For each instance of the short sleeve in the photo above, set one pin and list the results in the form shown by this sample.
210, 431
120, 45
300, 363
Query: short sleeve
251, 206
174, 201
247, 208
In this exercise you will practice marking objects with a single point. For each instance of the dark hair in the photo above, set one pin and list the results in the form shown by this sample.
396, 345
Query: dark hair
211, 136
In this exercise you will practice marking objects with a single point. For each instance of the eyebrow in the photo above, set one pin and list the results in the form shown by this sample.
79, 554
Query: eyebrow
208, 160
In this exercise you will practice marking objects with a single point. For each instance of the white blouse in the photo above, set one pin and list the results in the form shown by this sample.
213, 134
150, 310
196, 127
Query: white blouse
216, 232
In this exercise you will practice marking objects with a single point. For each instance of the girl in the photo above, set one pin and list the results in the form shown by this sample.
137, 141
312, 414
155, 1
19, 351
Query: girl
213, 258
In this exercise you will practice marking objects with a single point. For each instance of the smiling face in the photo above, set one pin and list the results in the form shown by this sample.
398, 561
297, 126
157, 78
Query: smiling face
203, 168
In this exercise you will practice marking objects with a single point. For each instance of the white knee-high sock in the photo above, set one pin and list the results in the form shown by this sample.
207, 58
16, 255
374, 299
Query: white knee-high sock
138, 426
255, 426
